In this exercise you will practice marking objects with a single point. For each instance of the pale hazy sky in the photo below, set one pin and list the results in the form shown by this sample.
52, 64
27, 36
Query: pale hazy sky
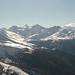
44, 12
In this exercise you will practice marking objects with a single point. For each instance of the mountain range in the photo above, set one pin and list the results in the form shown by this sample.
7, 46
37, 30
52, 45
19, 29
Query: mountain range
38, 32
36, 50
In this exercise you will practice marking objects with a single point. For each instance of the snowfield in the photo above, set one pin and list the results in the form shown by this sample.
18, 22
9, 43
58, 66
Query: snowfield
16, 40
13, 68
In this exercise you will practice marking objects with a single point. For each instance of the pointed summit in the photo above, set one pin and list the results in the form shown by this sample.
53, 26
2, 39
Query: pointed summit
25, 26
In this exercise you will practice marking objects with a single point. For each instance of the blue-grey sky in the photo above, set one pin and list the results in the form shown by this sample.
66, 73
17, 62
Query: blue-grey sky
44, 12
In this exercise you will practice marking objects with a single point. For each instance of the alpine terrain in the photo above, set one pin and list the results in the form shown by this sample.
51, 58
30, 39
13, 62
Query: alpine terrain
36, 50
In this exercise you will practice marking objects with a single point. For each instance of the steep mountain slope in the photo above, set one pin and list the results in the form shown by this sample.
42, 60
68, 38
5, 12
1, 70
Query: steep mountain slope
45, 33
11, 43
63, 45
61, 35
49, 62
11, 70
14, 40
68, 32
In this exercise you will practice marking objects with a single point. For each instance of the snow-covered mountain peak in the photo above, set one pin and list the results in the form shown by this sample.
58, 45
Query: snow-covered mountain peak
63, 34
70, 25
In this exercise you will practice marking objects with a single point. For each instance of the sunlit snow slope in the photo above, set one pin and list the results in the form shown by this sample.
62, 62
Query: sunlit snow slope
13, 68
